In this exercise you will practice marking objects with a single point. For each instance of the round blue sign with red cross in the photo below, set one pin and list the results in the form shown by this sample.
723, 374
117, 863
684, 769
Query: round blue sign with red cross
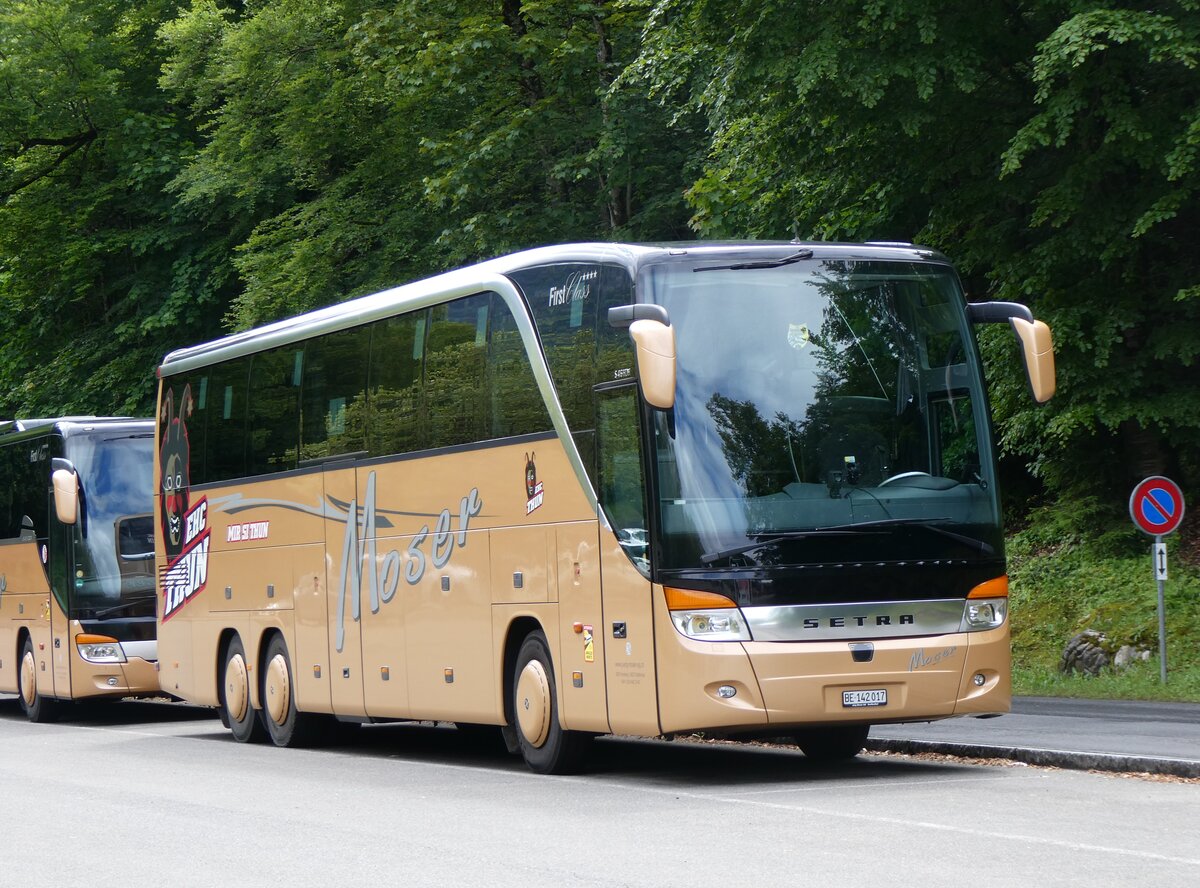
1156, 506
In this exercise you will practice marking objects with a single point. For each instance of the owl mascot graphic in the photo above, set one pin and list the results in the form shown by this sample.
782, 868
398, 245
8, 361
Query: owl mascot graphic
174, 460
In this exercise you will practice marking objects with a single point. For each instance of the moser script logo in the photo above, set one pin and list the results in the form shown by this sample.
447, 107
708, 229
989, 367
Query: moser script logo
383, 577
186, 576
921, 659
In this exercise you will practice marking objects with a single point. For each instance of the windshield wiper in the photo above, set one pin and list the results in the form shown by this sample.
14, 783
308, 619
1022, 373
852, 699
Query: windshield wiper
926, 523
767, 539
762, 263
124, 605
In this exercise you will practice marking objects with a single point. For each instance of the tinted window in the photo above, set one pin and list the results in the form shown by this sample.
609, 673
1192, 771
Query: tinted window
516, 405
570, 305
186, 398
334, 403
274, 403
226, 423
25, 490
395, 404
455, 372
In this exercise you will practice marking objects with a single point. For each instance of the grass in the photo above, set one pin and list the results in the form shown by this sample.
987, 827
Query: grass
1063, 582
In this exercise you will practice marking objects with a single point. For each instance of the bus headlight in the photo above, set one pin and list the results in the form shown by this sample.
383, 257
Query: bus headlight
706, 616
99, 649
984, 613
718, 625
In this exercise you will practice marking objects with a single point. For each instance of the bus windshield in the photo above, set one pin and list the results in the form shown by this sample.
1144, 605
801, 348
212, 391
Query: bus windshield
113, 569
825, 410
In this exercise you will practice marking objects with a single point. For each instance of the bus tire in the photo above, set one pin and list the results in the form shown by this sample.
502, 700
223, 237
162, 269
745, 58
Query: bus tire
243, 718
285, 726
36, 707
545, 746
834, 743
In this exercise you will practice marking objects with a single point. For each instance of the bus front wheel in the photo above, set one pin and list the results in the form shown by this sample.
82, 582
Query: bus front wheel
235, 696
36, 707
832, 744
285, 725
545, 746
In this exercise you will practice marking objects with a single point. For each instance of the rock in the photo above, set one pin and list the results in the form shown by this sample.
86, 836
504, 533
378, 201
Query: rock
1086, 653
1128, 654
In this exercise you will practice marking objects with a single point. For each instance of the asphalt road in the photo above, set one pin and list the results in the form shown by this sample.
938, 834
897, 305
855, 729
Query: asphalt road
144, 794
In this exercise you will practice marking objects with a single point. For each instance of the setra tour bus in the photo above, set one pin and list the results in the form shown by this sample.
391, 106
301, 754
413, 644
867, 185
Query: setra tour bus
77, 589
747, 489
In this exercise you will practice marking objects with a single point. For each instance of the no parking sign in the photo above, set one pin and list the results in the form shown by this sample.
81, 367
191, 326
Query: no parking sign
1156, 507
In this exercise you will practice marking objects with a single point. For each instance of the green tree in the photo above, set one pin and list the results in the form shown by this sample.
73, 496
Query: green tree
1049, 147
100, 272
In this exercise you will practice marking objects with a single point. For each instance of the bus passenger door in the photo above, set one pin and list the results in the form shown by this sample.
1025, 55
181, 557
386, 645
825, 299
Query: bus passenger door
60, 570
343, 571
628, 604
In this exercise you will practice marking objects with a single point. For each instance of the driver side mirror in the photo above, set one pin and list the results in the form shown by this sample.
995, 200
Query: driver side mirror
66, 491
654, 345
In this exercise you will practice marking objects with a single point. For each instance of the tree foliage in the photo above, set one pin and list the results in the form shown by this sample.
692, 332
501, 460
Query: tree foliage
170, 170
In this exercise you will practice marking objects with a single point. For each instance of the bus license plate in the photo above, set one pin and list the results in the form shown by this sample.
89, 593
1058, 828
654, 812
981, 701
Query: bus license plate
860, 699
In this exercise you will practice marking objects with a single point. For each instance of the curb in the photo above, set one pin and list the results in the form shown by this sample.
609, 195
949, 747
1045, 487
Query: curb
1055, 758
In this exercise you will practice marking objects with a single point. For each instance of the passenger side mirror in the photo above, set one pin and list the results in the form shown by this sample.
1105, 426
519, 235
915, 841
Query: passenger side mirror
66, 491
1037, 346
1037, 353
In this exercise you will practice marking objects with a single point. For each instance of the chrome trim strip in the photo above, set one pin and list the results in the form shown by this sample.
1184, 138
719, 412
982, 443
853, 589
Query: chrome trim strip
853, 622
146, 650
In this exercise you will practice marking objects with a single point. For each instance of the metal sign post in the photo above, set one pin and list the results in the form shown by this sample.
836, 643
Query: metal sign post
1156, 507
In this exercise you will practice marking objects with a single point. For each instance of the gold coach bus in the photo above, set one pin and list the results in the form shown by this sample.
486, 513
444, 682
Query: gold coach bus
596, 489
77, 593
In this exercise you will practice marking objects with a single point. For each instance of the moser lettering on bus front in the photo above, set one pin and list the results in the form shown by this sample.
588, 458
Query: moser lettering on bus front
383, 577
921, 659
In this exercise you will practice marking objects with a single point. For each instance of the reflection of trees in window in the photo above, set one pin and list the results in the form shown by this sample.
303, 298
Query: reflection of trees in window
956, 437
395, 408
333, 410
456, 373
517, 407
763, 457
274, 410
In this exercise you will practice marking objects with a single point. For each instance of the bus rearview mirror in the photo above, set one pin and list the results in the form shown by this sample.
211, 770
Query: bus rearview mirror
1037, 353
654, 343
66, 496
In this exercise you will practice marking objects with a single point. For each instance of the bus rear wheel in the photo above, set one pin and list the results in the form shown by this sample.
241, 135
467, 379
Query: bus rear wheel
235, 696
833, 744
36, 707
545, 746
285, 726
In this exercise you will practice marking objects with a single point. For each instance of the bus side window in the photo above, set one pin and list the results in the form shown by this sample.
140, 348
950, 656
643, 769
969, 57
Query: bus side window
274, 408
225, 453
10, 511
395, 401
333, 404
517, 407
455, 372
